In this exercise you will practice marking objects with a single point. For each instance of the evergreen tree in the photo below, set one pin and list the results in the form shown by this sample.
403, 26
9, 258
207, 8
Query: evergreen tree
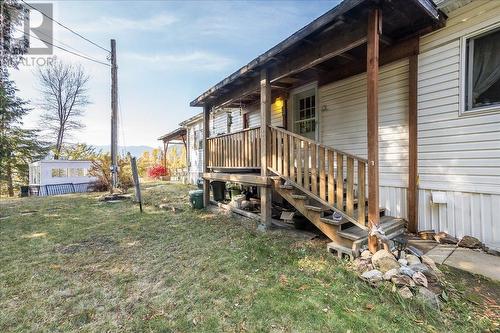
18, 146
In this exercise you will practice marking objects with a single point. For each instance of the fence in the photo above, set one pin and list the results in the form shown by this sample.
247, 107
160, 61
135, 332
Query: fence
57, 189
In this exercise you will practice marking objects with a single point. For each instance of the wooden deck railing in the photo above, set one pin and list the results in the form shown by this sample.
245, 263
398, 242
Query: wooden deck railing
330, 175
235, 150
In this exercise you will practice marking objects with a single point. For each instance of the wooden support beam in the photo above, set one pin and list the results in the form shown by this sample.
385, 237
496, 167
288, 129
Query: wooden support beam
265, 120
240, 178
206, 153
412, 146
372, 69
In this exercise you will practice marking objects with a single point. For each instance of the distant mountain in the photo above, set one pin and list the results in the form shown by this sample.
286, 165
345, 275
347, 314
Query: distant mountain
136, 151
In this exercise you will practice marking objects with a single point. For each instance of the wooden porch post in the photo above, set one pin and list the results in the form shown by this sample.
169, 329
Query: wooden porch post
412, 146
372, 63
265, 119
206, 134
164, 154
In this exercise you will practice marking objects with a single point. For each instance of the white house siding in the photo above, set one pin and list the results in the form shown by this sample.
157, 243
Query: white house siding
458, 154
343, 126
195, 156
253, 111
219, 119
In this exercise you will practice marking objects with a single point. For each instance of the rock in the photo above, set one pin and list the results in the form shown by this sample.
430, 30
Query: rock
470, 242
403, 262
384, 261
412, 259
372, 276
423, 269
493, 252
390, 274
428, 297
444, 238
404, 270
403, 281
405, 293
432, 265
362, 265
402, 255
429, 262
420, 279
366, 254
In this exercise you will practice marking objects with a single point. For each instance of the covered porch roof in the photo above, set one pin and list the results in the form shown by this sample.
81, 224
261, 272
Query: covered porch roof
176, 136
329, 48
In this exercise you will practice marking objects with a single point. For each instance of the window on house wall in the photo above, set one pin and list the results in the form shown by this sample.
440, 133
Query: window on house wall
229, 121
482, 72
76, 172
198, 139
59, 173
246, 122
305, 113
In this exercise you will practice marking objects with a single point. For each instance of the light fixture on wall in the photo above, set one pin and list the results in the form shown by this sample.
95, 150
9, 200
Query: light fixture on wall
279, 102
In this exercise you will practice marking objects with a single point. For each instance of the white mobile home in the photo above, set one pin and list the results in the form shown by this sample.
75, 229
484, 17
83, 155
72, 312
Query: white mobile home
49, 177
396, 102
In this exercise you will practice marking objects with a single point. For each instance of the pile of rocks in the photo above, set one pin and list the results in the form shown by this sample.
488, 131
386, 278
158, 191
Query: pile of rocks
411, 276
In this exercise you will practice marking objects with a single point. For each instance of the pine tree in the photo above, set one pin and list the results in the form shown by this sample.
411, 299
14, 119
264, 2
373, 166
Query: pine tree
18, 146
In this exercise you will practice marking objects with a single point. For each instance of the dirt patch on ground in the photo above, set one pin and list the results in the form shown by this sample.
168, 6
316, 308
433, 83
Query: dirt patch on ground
100, 244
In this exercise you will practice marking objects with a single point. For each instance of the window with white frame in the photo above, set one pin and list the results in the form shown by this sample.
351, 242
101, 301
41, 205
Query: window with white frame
76, 172
59, 173
482, 72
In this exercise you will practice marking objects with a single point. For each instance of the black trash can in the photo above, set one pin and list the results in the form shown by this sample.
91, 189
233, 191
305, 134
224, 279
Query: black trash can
25, 191
218, 190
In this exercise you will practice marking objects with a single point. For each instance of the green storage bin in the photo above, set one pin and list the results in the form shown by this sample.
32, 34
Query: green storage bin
218, 190
196, 199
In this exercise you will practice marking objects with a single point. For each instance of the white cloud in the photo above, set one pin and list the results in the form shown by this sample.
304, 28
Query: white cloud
197, 60
111, 23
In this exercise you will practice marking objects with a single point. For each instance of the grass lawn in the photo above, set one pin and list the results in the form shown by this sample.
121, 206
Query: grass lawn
73, 263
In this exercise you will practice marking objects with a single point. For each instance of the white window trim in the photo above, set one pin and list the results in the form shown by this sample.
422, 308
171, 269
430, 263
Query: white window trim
463, 76
298, 90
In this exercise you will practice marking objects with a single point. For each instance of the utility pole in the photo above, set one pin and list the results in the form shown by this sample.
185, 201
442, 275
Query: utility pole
114, 118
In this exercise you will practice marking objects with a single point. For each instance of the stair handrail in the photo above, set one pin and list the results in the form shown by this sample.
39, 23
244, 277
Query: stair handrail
319, 144
319, 179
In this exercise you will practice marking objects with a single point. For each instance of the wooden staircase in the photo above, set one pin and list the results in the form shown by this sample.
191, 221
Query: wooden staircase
319, 182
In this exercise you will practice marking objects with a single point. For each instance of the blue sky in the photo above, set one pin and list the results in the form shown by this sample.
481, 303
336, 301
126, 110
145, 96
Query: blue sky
169, 52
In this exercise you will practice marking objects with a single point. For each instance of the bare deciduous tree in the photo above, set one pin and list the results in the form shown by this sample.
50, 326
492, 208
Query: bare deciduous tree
64, 92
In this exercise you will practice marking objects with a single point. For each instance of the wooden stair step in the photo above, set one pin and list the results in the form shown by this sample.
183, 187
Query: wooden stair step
299, 196
317, 209
388, 223
328, 220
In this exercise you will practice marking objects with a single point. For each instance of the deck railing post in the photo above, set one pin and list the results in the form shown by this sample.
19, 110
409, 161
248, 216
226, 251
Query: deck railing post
372, 62
265, 119
206, 152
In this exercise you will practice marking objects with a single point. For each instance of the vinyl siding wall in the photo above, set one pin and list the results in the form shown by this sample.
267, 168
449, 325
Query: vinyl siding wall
195, 167
459, 154
342, 125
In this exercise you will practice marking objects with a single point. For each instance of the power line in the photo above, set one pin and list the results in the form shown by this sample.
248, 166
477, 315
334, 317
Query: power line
61, 42
65, 27
62, 48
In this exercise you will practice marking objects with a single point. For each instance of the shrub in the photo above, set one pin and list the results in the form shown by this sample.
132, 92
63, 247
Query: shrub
101, 170
157, 171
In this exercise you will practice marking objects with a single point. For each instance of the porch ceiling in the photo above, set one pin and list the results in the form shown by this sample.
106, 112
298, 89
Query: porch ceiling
331, 47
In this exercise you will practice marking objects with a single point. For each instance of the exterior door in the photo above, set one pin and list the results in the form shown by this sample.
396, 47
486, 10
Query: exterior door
304, 105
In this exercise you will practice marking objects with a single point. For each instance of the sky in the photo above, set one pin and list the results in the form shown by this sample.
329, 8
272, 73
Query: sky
168, 53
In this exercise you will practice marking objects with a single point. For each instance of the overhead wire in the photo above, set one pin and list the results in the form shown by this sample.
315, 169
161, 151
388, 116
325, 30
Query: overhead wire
67, 28
66, 50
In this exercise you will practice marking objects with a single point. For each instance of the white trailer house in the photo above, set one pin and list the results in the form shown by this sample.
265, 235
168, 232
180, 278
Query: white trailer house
50, 177
409, 89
